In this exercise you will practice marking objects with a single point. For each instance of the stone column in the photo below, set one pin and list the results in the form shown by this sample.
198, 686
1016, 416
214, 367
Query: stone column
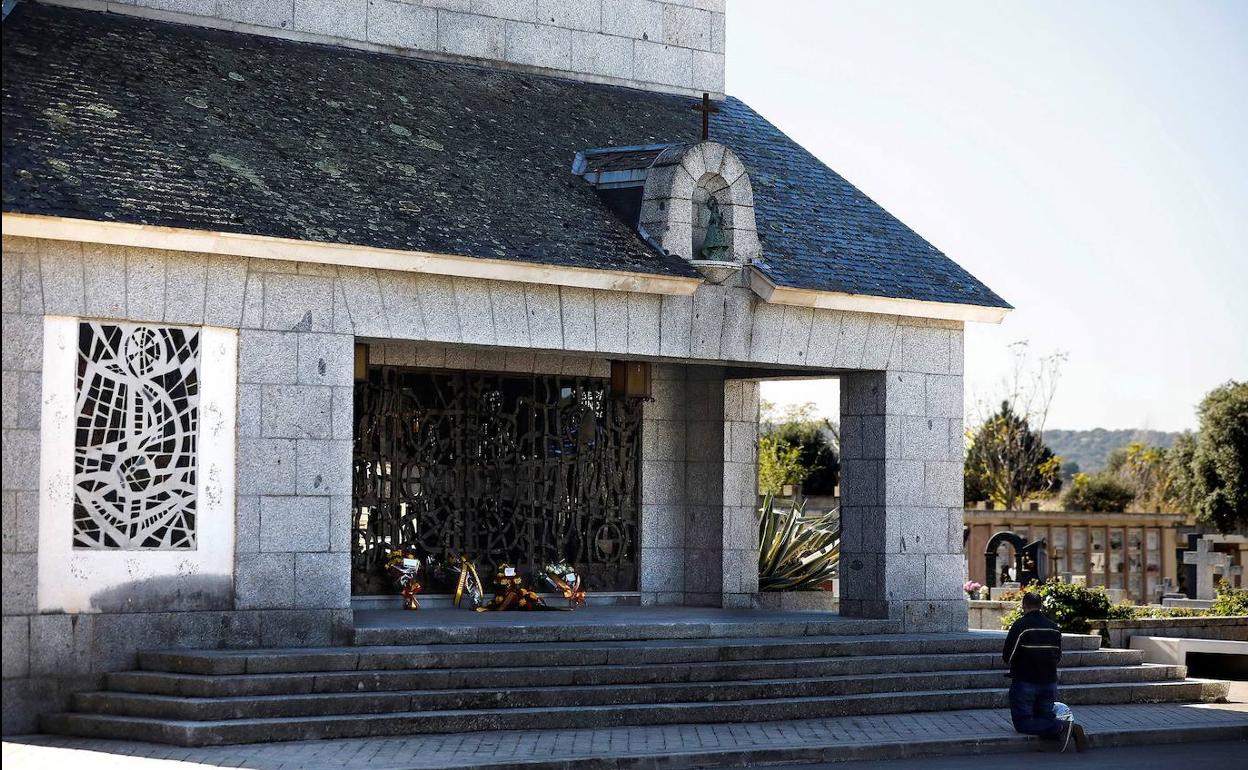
661, 555
699, 533
901, 484
705, 485
740, 517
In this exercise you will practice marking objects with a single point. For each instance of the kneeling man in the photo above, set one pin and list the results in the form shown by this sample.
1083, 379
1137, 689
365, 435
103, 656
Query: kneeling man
1033, 648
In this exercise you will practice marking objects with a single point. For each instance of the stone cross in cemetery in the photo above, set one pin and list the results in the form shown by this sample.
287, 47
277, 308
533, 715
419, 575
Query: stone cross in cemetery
1208, 563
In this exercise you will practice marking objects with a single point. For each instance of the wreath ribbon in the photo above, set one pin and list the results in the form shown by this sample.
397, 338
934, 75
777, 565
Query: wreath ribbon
404, 577
573, 593
409, 595
466, 571
509, 593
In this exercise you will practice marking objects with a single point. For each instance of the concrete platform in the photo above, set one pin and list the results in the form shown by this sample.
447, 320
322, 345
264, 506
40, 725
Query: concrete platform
1232, 655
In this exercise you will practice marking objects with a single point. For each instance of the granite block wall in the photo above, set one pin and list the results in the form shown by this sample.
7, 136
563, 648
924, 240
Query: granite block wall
291, 576
704, 475
25, 649
297, 323
675, 46
294, 469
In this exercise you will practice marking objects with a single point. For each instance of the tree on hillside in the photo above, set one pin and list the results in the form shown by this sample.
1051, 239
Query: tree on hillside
1070, 469
778, 465
1216, 478
1148, 472
1102, 492
1007, 461
797, 446
1179, 466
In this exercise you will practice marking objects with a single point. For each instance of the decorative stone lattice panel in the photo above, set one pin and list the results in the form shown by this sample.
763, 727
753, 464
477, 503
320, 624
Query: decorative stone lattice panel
136, 431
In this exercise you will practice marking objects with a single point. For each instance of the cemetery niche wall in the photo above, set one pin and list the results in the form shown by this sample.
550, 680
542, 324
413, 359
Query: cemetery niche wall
1132, 555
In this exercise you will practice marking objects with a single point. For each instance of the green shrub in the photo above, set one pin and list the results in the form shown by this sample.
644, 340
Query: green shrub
1102, 492
1175, 612
1230, 601
1071, 606
1074, 607
1132, 612
1124, 611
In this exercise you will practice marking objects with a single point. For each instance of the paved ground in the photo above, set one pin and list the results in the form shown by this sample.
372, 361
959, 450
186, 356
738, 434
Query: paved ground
1238, 693
1221, 754
845, 736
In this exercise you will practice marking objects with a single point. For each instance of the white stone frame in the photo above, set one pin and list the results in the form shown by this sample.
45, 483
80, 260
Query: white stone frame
68, 578
667, 200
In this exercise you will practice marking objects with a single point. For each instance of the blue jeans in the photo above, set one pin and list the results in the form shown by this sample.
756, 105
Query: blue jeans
1031, 709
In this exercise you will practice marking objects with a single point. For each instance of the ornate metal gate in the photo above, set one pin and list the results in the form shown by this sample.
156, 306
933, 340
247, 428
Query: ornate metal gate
510, 468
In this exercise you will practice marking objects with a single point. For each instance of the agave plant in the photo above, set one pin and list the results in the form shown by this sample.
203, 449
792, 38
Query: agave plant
796, 551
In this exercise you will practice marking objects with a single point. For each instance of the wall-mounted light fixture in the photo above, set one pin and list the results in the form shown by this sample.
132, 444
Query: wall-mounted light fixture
630, 379
361, 362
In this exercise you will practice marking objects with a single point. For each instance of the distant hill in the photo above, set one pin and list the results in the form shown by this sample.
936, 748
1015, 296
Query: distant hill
1089, 448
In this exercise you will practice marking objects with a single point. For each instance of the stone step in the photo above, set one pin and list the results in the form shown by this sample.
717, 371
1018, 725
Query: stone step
207, 686
632, 653
373, 628
323, 704
203, 733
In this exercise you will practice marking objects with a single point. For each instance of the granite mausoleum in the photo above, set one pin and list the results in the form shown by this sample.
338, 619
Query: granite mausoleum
237, 262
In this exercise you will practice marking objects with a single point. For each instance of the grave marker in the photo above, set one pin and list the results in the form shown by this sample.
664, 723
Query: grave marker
1208, 563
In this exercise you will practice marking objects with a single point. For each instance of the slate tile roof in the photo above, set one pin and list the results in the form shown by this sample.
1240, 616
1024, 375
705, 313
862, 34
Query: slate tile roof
115, 118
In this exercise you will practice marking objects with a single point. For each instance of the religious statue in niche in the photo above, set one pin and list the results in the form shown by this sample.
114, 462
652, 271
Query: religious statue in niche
715, 242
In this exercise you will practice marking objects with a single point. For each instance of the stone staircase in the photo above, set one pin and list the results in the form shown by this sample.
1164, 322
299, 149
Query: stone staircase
661, 675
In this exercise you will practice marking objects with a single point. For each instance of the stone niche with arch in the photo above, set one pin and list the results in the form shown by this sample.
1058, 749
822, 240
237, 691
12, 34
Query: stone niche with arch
697, 203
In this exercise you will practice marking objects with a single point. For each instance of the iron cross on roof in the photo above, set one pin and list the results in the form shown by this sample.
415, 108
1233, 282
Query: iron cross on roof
706, 108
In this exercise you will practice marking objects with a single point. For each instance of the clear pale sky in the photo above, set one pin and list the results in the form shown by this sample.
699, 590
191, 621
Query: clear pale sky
1086, 160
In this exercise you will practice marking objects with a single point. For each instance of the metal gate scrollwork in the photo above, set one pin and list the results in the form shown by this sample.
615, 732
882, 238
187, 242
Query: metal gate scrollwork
524, 469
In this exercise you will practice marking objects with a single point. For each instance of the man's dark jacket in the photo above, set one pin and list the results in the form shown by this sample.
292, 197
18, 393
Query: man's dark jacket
1033, 648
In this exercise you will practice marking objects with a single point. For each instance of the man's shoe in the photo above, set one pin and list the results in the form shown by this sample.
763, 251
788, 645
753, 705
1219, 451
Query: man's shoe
1068, 728
1081, 737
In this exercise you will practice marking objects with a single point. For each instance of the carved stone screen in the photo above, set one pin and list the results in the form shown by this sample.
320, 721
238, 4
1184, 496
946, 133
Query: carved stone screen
136, 429
509, 468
